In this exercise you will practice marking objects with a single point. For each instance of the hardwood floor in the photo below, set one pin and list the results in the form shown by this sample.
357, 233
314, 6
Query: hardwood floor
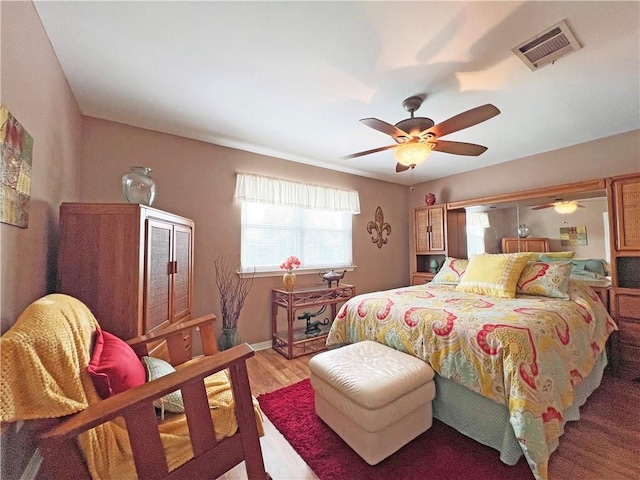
603, 445
269, 371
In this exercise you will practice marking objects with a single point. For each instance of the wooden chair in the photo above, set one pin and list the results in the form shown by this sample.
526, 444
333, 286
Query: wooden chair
63, 459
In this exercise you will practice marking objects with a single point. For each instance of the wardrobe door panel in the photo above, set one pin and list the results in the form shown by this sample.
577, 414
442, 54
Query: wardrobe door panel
182, 286
158, 274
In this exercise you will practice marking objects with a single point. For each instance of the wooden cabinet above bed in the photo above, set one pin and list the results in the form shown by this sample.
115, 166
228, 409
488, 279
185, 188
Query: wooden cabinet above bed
429, 229
438, 233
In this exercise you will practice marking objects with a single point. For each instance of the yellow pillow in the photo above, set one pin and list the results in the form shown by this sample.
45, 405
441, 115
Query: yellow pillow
494, 275
536, 256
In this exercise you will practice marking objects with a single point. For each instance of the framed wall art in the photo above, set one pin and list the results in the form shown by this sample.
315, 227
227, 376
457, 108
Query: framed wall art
16, 154
573, 236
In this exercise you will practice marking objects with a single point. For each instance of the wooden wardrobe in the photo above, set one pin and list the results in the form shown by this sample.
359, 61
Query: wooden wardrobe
132, 265
624, 209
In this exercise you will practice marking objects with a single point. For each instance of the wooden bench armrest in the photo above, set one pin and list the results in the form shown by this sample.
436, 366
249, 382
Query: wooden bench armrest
211, 458
174, 336
137, 397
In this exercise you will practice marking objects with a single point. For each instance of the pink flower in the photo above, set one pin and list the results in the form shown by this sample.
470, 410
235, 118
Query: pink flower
290, 263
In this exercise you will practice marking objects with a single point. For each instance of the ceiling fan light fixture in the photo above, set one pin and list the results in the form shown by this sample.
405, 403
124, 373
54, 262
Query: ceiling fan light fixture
413, 153
565, 207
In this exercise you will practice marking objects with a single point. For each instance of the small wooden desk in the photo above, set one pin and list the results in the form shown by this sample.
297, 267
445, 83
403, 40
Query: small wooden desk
292, 340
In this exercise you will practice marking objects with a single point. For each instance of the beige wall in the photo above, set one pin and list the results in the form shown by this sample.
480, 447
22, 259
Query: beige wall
34, 89
36, 92
197, 180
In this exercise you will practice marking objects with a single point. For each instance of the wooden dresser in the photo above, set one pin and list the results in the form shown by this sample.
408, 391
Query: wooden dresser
132, 265
515, 245
623, 195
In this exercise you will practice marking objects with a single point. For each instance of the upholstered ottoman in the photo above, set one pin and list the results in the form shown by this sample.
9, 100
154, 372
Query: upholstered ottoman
376, 398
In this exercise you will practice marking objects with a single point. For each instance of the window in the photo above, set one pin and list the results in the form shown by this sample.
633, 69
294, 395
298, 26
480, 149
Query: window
282, 218
319, 238
477, 222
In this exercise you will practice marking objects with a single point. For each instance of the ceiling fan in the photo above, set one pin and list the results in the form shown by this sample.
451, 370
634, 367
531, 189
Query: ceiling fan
561, 206
416, 137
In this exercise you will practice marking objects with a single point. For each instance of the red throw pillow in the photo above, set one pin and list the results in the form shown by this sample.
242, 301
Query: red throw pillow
114, 366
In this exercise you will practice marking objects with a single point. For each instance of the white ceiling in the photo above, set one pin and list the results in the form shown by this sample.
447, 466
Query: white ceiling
292, 79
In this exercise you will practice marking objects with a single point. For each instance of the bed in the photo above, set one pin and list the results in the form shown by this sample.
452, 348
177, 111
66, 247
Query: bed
510, 371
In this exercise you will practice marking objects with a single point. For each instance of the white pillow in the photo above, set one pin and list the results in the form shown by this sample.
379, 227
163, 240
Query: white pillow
156, 368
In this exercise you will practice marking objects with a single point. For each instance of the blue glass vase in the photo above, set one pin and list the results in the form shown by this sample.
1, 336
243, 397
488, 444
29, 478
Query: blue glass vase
228, 338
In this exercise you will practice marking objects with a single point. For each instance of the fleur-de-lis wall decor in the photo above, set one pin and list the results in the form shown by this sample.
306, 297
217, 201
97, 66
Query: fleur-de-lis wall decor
379, 227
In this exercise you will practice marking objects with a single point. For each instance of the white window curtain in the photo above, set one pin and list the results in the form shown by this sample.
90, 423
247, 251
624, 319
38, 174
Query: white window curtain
477, 222
276, 191
282, 218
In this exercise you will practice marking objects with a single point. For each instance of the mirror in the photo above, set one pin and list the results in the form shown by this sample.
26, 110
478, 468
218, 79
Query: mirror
490, 223
585, 231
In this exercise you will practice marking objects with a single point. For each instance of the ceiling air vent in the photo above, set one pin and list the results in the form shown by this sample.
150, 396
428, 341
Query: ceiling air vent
547, 46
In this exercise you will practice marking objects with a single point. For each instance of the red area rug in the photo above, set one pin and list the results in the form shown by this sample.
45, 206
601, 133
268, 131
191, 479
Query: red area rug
440, 453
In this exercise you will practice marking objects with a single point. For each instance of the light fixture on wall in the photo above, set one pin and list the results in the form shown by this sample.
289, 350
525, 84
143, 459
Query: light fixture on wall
565, 207
413, 153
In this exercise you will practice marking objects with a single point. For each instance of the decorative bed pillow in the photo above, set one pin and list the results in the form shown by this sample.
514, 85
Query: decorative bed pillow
586, 276
114, 366
581, 265
156, 368
451, 271
545, 279
594, 265
550, 256
493, 274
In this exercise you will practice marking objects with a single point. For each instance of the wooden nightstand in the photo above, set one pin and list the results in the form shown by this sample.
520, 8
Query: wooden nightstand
420, 278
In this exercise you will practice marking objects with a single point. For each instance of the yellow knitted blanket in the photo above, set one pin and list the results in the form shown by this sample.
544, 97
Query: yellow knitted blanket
44, 358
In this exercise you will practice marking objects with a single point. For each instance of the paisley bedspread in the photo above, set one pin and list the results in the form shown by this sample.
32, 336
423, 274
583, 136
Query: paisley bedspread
527, 353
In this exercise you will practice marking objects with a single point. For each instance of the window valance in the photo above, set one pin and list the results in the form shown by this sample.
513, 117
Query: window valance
277, 191
477, 219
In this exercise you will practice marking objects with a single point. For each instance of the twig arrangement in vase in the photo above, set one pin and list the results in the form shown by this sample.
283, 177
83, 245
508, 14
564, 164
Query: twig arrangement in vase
233, 289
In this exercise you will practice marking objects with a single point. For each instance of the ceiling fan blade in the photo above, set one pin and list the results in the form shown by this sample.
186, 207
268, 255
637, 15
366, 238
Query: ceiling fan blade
459, 148
401, 168
463, 120
360, 154
385, 127
540, 207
